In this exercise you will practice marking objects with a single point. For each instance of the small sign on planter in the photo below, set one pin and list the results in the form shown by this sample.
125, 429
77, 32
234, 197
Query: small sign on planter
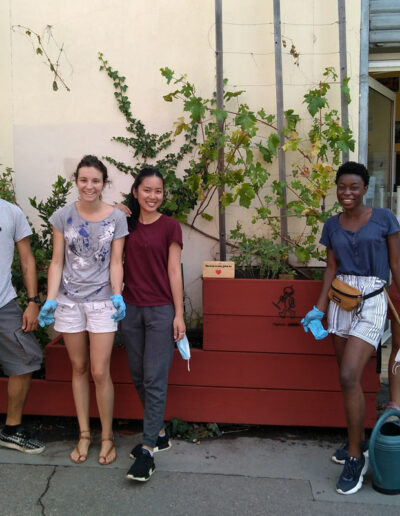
218, 269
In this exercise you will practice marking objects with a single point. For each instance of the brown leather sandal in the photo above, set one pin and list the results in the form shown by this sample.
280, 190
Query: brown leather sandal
103, 458
82, 457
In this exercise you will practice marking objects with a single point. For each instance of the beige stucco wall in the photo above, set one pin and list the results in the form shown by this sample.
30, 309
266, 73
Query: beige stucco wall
6, 114
44, 133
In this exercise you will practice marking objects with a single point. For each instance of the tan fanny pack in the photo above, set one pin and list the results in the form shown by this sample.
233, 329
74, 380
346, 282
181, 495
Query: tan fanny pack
348, 297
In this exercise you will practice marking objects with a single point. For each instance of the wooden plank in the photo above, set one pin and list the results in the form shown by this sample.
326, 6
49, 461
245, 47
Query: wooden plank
206, 404
269, 371
262, 334
275, 298
262, 406
58, 365
221, 369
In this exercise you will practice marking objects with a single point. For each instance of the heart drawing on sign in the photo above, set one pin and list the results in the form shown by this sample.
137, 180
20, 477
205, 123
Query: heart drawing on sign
218, 271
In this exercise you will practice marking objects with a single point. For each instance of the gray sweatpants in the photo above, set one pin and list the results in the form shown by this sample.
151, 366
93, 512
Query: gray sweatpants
147, 333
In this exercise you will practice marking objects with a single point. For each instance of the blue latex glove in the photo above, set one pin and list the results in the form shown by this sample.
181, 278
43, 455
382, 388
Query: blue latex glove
312, 315
46, 314
316, 328
118, 302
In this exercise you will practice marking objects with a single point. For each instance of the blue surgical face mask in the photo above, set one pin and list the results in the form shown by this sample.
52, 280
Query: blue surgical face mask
184, 349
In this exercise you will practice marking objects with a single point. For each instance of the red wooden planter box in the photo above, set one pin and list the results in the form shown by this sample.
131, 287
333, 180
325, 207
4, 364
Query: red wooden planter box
257, 366
263, 317
260, 315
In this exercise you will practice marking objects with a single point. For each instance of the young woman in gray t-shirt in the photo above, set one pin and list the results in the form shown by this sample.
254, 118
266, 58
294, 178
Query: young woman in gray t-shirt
84, 297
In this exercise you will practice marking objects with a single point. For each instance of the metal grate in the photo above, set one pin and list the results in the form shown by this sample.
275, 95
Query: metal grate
384, 26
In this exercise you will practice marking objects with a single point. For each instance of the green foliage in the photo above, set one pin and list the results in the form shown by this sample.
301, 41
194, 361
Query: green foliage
57, 199
41, 241
146, 147
193, 432
258, 256
317, 274
250, 141
7, 189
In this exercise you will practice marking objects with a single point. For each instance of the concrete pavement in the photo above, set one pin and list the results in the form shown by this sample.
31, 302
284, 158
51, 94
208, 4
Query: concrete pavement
228, 476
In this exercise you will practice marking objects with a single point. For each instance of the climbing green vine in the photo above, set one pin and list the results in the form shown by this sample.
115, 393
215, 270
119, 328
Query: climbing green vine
147, 147
250, 139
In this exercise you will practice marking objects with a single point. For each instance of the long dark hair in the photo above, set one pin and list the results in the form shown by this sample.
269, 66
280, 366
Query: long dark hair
133, 203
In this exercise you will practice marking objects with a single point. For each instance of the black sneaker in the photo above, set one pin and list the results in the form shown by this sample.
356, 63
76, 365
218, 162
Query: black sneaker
143, 467
21, 441
163, 443
341, 454
351, 479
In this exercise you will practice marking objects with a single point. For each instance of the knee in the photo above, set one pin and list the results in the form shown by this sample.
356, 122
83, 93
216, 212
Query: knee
100, 376
154, 386
348, 378
80, 368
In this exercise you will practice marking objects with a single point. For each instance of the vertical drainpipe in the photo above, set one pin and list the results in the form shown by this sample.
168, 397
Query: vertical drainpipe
363, 106
343, 68
220, 105
279, 112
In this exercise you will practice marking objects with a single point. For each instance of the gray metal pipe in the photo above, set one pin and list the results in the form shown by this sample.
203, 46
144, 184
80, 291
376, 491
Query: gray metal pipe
363, 106
220, 105
280, 118
343, 68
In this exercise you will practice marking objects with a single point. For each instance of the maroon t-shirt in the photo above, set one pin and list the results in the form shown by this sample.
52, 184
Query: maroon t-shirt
146, 262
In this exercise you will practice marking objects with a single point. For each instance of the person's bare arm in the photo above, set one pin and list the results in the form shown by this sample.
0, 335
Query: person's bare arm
56, 265
28, 265
124, 208
116, 266
175, 281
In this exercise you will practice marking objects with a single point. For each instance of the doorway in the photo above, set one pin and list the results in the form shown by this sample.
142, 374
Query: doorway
381, 145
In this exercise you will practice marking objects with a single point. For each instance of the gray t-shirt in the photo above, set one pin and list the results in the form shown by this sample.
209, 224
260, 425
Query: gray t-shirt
13, 228
86, 271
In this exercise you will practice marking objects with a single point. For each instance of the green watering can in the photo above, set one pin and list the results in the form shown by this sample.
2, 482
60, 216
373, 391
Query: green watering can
384, 454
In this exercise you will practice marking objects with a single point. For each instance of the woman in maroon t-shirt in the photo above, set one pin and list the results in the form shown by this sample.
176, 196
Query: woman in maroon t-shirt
153, 294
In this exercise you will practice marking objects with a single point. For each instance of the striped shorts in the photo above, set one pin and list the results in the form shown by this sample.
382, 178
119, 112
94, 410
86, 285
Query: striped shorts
369, 323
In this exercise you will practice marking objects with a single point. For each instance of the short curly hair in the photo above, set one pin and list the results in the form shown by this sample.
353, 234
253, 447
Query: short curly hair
351, 167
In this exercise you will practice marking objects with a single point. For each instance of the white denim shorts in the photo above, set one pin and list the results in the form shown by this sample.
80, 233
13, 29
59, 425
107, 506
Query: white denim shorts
94, 316
368, 323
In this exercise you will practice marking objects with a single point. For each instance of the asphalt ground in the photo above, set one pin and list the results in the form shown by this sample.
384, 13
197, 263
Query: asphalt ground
232, 475
253, 470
